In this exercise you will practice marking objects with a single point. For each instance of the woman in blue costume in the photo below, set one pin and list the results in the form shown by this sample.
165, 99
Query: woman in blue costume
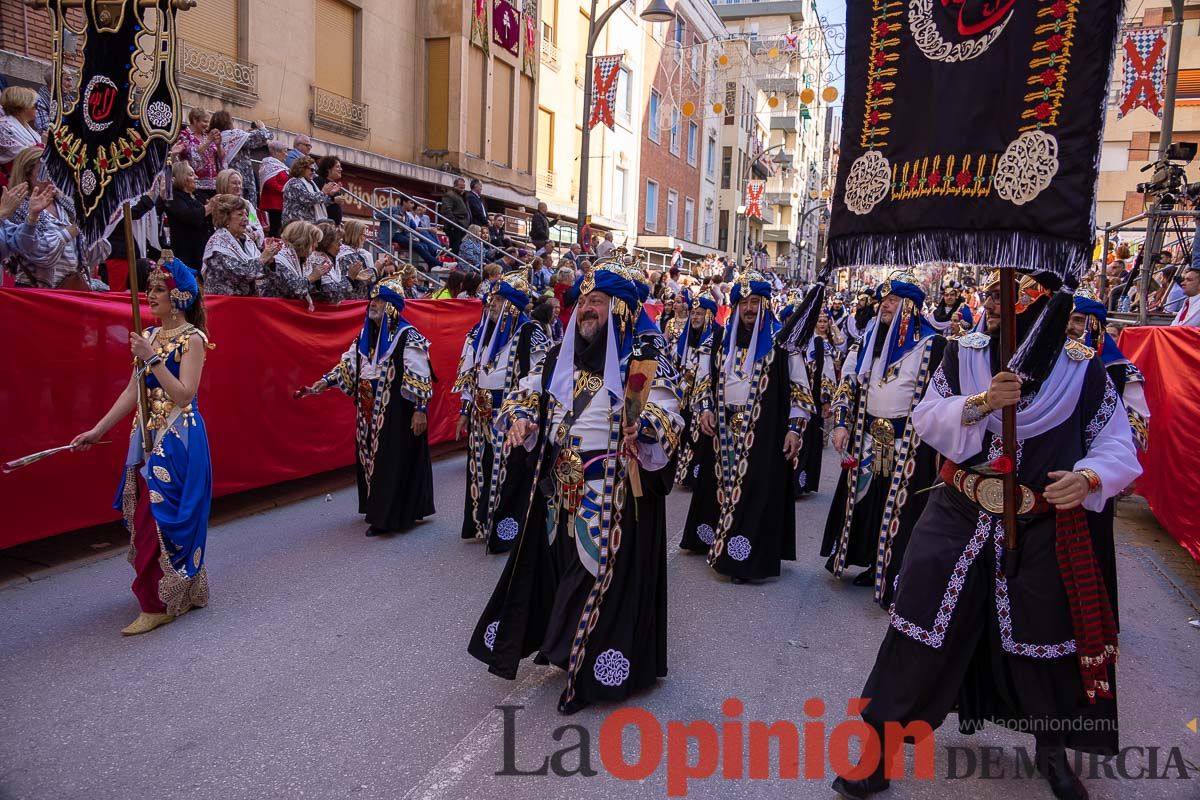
165, 493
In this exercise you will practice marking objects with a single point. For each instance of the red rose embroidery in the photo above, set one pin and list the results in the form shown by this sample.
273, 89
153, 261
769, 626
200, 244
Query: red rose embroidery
1054, 43
962, 178
1049, 77
1042, 111
935, 179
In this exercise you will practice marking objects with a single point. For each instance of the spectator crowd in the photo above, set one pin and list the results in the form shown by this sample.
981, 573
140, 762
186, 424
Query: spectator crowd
256, 216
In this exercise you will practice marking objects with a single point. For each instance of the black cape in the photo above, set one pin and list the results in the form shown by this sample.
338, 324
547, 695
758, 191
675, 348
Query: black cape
761, 531
867, 536
477, 496
399, 492
962, 636
609, 633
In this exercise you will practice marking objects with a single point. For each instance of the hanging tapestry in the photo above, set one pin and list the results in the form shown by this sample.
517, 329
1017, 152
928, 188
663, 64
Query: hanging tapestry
605, 72
506, 26
109, 138
754, 195
971, 132
1144, 50
479, 24
529, 23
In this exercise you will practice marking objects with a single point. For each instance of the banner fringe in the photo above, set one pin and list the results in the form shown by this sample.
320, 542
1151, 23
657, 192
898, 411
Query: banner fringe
1004, 249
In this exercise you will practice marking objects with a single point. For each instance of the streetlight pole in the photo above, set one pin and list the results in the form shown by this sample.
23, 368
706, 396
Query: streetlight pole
800, 229
657, 11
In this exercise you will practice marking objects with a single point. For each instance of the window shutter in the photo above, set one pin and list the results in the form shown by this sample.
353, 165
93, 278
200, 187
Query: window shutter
335, 47
211, 24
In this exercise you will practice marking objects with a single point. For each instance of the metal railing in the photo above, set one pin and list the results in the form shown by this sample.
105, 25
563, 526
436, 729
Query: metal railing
1163, 230
210, 72
413, 233
446, 222
549, 53
381, 250
339, 114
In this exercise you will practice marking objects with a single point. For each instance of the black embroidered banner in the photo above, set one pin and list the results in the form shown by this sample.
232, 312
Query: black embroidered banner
972, 131
115, 119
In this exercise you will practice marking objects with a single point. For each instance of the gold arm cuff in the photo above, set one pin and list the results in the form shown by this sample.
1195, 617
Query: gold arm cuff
976, 409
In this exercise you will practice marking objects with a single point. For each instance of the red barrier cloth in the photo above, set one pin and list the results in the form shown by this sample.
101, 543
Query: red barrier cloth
66, 358
1169, 358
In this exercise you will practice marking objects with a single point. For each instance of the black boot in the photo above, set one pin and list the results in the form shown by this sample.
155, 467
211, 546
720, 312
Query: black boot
865, 578
373, 531
569, 707
857, 790
875, 782
1053, 765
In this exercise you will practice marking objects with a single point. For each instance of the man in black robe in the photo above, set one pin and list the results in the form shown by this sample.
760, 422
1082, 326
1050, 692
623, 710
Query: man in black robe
386, 372
742, 512
885, 464
1028, 641
820, 358
502, 349
952, 316
693, 344
585, 584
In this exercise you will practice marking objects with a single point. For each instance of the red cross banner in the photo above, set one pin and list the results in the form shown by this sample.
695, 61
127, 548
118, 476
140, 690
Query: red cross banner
1142, 86
754, 194
604, 89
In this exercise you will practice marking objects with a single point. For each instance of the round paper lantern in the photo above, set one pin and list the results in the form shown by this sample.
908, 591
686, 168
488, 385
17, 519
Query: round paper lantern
772, 101
723, 60
773, 52
688, 108
807, 96
830, 94
718, 108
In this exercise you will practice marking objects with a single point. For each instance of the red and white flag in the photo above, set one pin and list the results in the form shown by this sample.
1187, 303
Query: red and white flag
754, 194
1144, 50
606, 70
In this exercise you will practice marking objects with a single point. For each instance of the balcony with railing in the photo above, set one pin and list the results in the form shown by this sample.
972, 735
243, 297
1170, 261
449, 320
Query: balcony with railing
339, 114
549, 53
216, 74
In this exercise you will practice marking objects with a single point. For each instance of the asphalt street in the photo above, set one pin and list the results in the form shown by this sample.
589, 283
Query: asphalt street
331, 665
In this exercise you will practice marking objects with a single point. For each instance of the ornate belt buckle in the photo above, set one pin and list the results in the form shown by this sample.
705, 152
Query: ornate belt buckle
483, 403
568, 469
883, 433
990, 495
735, 422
